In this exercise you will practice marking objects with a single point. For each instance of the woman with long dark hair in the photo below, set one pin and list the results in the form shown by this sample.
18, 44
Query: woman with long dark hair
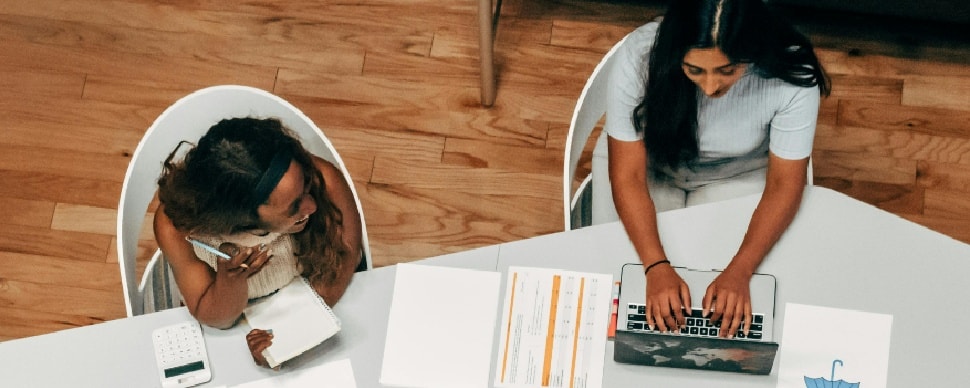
251, 190
717, 99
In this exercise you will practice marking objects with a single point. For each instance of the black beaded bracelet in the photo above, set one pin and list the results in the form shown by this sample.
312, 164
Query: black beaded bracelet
645, 270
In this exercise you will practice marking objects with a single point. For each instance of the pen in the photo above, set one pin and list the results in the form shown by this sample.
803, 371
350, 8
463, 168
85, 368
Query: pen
212, 249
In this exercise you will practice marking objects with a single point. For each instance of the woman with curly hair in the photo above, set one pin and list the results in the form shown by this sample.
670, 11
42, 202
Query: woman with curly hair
250, 189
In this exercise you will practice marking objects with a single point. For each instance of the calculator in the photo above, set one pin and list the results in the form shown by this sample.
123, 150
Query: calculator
180, 355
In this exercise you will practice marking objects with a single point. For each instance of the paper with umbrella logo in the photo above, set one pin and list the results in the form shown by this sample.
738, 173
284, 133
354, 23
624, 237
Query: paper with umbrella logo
830, 347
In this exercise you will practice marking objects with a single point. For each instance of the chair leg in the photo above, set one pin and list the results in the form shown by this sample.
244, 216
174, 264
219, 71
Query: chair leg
486, 47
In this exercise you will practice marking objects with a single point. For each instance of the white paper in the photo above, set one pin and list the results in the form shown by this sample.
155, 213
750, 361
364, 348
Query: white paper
300, 320
441, 327
336, 374
822, 344
553, 328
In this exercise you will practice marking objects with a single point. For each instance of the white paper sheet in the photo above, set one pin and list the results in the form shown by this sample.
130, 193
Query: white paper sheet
553, 328
823, 344
336, 374
441, 327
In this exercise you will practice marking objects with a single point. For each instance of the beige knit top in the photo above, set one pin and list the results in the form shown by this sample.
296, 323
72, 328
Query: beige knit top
278, 271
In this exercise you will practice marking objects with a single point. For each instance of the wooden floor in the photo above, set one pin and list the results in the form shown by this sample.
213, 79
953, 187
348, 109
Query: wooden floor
394, 83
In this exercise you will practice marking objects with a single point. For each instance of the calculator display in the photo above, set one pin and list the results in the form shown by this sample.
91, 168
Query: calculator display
183, 369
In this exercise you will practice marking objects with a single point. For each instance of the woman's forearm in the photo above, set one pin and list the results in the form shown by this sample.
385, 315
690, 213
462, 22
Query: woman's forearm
628, 180
637, 212
779, 203
221, 304
769, 221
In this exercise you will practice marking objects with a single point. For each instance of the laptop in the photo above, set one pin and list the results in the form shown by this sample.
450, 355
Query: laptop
697, 346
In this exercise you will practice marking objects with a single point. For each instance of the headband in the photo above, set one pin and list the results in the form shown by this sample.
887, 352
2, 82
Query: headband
271, 177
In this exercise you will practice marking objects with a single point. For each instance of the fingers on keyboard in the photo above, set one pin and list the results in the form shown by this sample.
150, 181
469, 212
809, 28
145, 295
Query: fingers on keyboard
694, 324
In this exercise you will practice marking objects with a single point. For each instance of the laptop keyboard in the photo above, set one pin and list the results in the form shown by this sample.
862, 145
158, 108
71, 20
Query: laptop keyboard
697, 325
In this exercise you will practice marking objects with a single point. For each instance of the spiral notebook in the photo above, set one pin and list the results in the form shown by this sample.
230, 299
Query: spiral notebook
298, 317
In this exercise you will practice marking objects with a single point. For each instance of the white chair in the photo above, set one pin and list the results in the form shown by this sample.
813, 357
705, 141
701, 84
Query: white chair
593, 199
188, 119
592, 202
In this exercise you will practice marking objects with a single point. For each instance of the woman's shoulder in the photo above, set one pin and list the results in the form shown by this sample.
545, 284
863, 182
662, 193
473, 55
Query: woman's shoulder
327, 168
775, 90
638, 43
337, 184
636, 47
783, 89
163, 227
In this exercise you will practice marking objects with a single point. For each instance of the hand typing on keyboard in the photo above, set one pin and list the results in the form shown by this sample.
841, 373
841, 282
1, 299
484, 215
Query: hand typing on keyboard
696, 324
728, 300
667, 298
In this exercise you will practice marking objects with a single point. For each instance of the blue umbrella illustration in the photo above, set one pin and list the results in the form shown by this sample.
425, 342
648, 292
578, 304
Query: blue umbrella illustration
821, 382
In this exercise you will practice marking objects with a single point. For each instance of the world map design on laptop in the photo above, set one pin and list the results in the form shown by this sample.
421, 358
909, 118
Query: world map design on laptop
694, 352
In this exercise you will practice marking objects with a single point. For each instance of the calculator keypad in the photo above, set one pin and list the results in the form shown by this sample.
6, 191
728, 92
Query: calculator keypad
179, 344
181, 355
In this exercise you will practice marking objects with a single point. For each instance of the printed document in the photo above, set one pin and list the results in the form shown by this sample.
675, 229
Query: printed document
553, 328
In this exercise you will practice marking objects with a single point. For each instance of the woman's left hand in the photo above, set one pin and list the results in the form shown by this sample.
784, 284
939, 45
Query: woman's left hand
728, 300
258, 340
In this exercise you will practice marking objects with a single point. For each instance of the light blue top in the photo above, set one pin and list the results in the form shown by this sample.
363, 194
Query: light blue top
735, 131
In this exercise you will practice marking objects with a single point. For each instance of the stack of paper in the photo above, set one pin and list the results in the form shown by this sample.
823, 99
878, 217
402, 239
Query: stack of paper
441, 327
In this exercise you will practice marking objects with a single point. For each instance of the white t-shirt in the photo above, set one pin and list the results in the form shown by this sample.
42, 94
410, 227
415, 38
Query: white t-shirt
735, 131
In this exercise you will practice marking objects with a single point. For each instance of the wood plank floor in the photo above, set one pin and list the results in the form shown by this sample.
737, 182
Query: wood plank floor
394, 83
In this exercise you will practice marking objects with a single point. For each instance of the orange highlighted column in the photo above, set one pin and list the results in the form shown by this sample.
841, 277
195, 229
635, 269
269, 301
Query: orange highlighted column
579, 320
551, 335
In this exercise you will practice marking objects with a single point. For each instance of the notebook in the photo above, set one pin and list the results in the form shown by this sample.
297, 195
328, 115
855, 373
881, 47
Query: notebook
298, 317
702, 349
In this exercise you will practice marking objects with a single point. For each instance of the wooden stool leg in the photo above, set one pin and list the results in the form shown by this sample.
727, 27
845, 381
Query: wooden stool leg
486, 47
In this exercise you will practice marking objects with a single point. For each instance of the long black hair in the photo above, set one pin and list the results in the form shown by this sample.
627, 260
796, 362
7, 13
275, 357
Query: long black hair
212, 190
746, 31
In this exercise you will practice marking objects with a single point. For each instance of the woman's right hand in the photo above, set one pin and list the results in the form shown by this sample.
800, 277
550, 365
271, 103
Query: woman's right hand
245, 262
668, 298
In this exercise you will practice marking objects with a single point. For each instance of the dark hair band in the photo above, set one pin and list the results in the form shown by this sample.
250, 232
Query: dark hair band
271, 177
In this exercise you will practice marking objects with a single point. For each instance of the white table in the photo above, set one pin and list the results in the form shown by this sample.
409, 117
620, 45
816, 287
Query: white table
838, 252
119, 353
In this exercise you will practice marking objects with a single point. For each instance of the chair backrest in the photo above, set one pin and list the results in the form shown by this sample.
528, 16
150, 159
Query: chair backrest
188, 119
590, 108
